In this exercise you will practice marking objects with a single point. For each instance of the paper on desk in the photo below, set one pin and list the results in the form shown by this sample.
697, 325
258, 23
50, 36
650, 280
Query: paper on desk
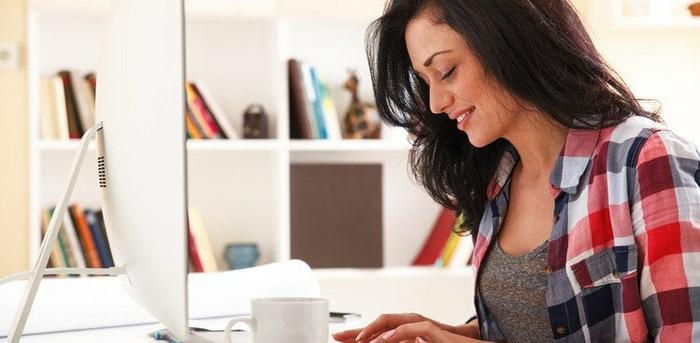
96, 302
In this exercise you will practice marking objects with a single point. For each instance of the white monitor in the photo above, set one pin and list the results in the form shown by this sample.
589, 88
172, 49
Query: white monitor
141, 103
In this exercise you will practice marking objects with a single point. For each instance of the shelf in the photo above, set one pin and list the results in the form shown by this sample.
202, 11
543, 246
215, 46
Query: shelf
359, 9
364, 145
197, 8
657, 23
192, 145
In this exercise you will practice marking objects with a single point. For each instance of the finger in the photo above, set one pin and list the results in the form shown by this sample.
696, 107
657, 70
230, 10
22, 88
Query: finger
386, 322
347, 335
425, 330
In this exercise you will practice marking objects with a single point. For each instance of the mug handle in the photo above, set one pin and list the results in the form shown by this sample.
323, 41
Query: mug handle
249, 322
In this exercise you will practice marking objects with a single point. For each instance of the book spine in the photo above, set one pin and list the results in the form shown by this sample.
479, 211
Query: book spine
201, 240
75, 129
86, 238
56, 259
317, 103
192, 131
309, 95
194, 255
448, 252
299, 126
100, 242
436, 241
60, 106
101, 225
49, 129
330, 113
76, 249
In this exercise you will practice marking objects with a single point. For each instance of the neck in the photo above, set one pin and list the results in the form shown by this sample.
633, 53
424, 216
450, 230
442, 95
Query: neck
539, 141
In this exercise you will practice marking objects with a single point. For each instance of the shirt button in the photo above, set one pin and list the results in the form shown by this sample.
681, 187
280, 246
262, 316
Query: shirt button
548, 269
556, 218
560, 329
615, 274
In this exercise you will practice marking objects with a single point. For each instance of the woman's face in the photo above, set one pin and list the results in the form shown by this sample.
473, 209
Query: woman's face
458, 85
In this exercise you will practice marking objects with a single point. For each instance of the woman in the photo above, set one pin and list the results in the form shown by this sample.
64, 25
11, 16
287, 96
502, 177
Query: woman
584, 209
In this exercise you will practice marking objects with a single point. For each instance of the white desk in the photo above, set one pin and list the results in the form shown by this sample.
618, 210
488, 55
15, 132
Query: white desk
137, 334
443, 295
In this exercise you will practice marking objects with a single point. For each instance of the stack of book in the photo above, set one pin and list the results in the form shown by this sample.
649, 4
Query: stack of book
67, 105
444, 247
82, 241
205, 119
68, 108
313, 114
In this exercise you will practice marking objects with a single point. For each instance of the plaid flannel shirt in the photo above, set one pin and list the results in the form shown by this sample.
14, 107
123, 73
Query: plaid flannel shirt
624, 252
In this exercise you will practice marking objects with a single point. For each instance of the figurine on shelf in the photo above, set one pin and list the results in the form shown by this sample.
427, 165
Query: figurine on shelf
361, 119
255, 122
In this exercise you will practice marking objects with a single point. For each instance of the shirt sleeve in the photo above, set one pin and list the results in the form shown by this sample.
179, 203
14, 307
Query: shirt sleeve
665, 204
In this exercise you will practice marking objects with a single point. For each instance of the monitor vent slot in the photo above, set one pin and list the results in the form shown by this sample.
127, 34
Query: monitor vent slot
101, 171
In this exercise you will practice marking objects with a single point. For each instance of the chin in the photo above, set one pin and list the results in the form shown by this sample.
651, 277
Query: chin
479, 141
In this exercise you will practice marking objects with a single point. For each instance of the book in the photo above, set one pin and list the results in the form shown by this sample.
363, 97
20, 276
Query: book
192, 130
299, 124
194, 260
75, 128
317, 103
462, 253
85, 101
72, 238
56, 259
101, 224
92, 81
200, 113
87, 240
310, 94
213, 106
448, 250
330, 114
336, 215
437, 239
100, 238
49, 124
63, 130
201, 241
62, 240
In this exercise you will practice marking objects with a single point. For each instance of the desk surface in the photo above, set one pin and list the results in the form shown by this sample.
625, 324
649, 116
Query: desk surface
140, 333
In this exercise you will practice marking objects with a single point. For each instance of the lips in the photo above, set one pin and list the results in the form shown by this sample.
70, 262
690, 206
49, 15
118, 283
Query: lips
462, 116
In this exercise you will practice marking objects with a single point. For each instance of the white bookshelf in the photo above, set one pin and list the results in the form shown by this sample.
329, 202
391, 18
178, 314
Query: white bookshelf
623, 16
239, 48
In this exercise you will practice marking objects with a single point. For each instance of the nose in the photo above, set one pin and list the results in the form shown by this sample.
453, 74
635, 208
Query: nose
440, 99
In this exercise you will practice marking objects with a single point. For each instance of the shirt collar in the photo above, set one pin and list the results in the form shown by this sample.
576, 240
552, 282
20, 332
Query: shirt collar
571, 164
573, 160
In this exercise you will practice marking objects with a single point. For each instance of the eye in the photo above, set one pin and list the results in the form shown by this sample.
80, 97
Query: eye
449, 73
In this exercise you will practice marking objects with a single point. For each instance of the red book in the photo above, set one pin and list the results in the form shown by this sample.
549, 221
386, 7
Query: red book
92, 256
433, 246
194, 255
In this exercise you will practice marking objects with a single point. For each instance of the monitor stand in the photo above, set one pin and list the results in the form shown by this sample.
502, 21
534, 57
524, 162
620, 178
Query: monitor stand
39, 270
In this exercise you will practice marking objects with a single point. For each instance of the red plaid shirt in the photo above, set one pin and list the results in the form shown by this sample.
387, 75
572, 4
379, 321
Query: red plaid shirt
624, 252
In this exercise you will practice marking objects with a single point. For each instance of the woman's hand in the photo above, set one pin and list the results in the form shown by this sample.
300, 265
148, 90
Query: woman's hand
409, 327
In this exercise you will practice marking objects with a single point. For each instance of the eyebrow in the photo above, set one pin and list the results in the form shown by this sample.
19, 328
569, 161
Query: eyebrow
430, 59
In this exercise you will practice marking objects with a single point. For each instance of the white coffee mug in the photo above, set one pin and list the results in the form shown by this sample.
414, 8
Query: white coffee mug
289, 320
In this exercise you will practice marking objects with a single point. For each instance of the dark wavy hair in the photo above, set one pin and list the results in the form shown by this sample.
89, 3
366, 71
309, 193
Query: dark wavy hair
538, 50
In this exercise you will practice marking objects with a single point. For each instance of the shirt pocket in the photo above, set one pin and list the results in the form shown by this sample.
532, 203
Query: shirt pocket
606, 266
608, 283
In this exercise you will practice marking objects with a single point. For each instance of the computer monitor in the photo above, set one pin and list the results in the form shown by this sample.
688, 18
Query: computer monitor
141, 102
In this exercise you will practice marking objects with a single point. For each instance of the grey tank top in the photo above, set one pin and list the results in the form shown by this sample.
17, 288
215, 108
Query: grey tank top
513, 289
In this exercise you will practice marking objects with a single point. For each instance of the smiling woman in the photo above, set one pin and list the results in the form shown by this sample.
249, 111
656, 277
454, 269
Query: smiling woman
584, 208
